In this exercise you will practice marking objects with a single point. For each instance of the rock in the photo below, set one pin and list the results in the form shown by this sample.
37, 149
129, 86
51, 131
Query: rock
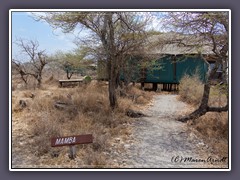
29, 95
32, 95
127, 146
63, 105
48, 94
96, 146
55, 154
22, 104
201, 144
20, 86
117, 140
60, 106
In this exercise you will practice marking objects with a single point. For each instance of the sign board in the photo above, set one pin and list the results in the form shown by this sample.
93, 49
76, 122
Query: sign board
71, 140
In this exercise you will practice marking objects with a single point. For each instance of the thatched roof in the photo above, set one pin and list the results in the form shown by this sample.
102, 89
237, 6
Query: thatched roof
175, 43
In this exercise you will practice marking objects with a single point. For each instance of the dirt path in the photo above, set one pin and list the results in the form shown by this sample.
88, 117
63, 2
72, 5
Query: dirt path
161, 142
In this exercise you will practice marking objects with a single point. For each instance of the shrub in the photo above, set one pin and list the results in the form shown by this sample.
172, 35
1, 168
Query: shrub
191, 89
87, 79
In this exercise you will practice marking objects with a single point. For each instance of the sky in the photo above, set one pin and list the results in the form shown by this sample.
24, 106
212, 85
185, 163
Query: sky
25, 27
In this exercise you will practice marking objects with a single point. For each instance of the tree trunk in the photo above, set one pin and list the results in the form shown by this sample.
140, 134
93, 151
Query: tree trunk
69, 75
39, 80
118, 81
112, 94
24, 78
112, 60
112, 83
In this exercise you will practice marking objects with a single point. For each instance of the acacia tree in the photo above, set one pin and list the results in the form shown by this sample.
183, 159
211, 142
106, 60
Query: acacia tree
117, 32
71, 62
35, 60
209, 29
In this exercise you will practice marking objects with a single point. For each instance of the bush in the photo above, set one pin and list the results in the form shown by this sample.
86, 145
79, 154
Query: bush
87, 79
191, 89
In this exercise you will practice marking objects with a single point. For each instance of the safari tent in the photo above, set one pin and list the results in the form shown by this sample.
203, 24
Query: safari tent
171, 60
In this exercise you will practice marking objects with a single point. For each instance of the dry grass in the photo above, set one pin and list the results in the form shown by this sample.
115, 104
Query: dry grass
191, 89
138, 96
212, 127
217, 96
86, 111
42, 131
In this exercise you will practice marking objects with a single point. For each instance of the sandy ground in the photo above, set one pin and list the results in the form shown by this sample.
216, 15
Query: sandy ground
162, 142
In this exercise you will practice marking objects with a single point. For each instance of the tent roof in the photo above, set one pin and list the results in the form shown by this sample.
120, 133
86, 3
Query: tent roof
175, 43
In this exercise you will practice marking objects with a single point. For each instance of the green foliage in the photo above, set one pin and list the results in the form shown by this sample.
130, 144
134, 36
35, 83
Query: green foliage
75, 61
87, 79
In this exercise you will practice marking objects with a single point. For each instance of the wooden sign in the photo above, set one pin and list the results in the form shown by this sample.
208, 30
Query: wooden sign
71, 140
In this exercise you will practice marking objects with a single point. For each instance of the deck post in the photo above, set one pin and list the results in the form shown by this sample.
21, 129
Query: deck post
154, 87
142, 85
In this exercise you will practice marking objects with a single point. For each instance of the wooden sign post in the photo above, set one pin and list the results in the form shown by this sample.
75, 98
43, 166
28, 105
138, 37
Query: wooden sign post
71, 141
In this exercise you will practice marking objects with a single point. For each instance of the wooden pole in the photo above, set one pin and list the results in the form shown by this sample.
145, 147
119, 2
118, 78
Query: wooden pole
72, 152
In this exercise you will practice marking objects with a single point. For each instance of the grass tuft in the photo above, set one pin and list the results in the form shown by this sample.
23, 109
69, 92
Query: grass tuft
191, 89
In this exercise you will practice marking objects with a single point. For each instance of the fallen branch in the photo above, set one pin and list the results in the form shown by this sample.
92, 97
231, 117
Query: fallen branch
134, 114
200, 112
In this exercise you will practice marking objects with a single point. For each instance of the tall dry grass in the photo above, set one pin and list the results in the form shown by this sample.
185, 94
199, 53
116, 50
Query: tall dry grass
212, 127
191, 89
86, 111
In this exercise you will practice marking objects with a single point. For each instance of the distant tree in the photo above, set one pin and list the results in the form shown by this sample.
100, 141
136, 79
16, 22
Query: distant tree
19, 68
34, 62
76, 61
